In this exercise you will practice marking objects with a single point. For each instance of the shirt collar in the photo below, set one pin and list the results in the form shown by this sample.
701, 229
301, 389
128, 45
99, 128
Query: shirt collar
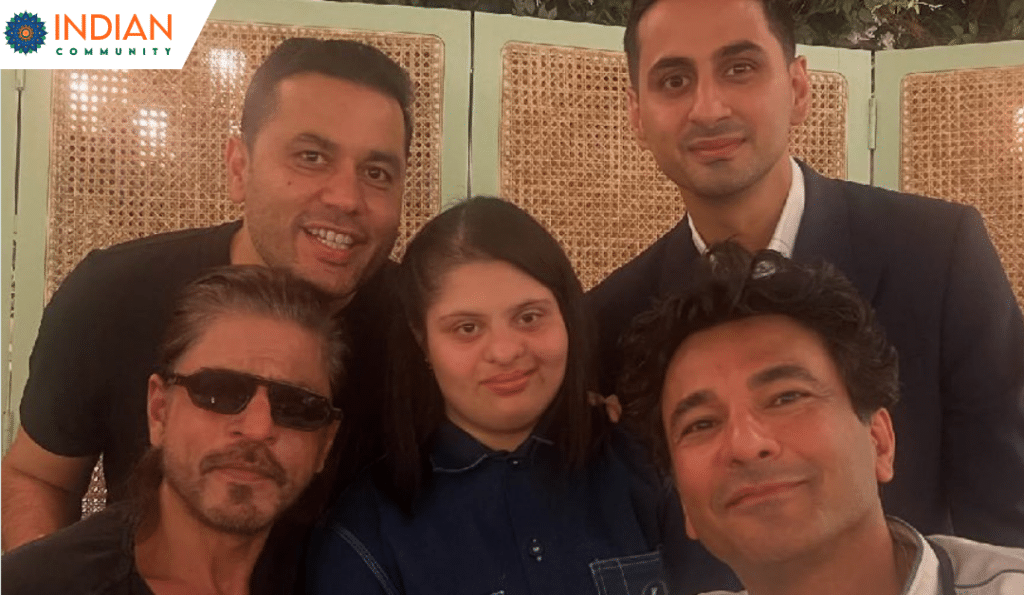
455, 451
786, 229
923, 578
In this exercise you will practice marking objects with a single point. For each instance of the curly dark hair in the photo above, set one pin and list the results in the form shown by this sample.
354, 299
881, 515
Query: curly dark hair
734, 285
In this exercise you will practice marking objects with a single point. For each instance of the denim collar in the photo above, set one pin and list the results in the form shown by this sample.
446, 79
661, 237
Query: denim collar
455, 451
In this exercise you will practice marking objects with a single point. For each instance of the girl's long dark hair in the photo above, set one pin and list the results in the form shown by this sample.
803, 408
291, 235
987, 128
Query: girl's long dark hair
479, 229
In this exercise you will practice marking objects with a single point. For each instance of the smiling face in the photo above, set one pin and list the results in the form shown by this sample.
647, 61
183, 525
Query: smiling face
237, 473
715, 95
770, 460
322, 183
498, 346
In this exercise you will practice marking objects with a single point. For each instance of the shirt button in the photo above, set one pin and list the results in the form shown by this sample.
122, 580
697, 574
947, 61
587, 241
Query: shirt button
514, 462
536, 549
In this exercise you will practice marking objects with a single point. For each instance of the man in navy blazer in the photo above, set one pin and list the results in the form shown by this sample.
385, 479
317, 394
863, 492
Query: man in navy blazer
715, 87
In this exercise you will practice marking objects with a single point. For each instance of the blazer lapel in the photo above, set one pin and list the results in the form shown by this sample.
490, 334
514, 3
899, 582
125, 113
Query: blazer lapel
826, 232
677, 268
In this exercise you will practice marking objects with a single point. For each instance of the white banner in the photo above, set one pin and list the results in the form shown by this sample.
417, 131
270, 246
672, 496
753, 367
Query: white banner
111, 34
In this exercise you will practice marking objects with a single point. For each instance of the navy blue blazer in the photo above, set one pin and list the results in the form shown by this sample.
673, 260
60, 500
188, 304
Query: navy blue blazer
940, 292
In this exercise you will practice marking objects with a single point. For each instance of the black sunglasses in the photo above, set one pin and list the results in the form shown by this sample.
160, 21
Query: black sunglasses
229, 392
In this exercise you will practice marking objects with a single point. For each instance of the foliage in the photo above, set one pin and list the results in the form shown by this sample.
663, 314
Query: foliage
866, 24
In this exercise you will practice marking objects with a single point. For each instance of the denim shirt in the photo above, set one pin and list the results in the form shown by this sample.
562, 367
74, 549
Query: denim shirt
514, 523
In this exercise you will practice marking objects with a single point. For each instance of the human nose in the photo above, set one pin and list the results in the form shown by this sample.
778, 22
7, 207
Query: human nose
343, 188
749, 439
708, 103
505, 346
256, 421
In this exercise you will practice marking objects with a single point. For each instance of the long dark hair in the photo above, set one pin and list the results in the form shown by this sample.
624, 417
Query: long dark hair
480, 229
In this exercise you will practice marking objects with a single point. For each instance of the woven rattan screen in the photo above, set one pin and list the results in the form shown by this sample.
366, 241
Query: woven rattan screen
569, 157
963, 140
139, 152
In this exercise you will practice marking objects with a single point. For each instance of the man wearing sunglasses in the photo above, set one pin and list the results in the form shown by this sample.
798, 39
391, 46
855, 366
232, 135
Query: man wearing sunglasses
766, 392
240, 421
319, 167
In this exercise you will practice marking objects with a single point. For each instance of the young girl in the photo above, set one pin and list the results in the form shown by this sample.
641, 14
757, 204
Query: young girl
501, 477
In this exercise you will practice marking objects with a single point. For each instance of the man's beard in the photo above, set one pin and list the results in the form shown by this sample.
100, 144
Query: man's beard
241, 514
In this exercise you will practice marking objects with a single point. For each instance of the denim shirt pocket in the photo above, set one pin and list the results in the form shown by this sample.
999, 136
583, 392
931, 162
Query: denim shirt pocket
640, 574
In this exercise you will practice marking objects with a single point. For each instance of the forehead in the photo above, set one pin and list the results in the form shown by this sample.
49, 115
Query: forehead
259, 345
338, 109
727, 355
486, 286
697, 28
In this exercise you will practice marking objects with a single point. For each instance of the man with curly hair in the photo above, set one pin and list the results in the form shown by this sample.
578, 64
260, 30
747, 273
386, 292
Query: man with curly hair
767, 392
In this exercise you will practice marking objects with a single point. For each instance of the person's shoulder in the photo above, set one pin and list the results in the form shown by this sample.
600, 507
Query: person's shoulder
644, 267
172, 244
884, 205
93, 555
977, 563
359, 506
109, 278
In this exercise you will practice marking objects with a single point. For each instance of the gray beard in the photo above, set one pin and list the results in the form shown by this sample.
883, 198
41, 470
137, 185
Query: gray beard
243, 519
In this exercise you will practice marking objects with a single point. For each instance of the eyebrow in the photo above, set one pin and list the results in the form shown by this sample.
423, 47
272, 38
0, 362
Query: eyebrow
525, 304
738, 48
388, 158
375, 156
670, 62
696, 399
782, 372
317, 140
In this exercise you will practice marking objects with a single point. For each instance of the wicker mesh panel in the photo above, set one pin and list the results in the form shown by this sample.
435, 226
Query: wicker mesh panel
821, 139
140, 152
963, 140
569, 157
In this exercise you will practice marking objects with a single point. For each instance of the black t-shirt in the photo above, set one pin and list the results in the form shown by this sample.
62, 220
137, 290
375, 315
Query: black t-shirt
98, 342
96, 556
99, 337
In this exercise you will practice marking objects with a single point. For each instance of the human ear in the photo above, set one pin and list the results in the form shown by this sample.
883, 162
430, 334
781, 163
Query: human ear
156, 409
236, 157
801, 83
884, 439
634, 117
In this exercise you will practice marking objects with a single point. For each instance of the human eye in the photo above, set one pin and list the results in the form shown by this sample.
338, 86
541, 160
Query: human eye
311, 157
378, 175
466, 329
788, 397
675, 81
699, 425
739, 69
531, 317
695, 428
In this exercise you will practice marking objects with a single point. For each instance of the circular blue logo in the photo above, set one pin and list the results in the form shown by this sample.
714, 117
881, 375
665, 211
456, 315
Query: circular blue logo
25, 33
